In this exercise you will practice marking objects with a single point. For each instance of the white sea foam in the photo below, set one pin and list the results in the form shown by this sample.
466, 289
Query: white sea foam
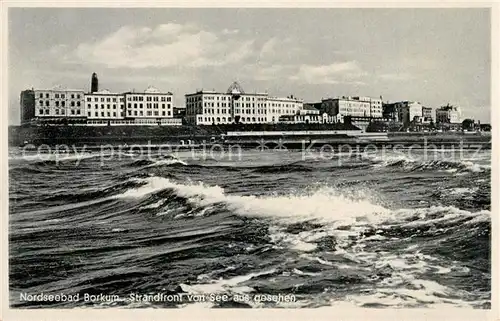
417, 292
475, 167
154, 205
221, 285
386, 160
299, 272
408, 162
166, 162
462, 190
324, 204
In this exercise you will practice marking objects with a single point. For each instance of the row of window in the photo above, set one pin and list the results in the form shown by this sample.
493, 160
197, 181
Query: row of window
218, 111
131, 122
149, 98
104, 122
59, 112
96, 114
96, 106
288, 111
208, 104
102, 99
282, 105
247, 111
149, 105
250, 111
356, 105
148, 113
223, 98
145, 121
229, 119
353, 109
102, 114
62, 103
217, 97
47, 95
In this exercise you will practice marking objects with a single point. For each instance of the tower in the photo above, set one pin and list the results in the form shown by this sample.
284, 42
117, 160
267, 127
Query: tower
94, 83
27, 106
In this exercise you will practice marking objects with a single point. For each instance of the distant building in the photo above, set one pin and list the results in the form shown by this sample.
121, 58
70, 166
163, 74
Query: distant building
409, 111
179, 111
150, 107
105, 105
308, 115
427, 114
308, 110
94, 83
328, 106
59, 103
352, 106
448, 115
236, 106
27, 100
390, 112
279, 106
317, 106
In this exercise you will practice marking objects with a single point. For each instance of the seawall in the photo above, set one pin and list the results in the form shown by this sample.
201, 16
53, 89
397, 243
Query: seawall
96, 135
274, 136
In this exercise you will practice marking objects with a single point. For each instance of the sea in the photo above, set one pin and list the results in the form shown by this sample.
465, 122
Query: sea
250, 228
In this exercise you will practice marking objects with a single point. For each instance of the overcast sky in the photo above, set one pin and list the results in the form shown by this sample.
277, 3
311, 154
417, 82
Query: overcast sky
434, 56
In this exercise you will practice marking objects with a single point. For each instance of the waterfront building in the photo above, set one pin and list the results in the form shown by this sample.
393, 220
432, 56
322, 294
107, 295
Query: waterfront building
105, 105
286, 106
149, 104
27, 101
409, 111
308, 110
205, 107
352, 106
317, 106
375, 106
59, 103
179, 111
448, 114
390, 112
150, 107
308, 115
426, 114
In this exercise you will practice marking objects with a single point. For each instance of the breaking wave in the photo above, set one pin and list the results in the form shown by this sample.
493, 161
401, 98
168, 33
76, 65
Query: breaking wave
419, 164
324, 204
157, 163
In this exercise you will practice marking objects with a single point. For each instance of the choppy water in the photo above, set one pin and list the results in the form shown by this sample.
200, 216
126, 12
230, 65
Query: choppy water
369, 230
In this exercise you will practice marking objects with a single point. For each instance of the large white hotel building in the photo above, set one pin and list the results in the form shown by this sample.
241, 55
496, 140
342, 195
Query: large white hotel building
235, 106
59, 102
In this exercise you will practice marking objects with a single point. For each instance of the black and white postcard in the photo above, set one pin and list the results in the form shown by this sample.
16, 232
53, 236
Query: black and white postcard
255, 158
